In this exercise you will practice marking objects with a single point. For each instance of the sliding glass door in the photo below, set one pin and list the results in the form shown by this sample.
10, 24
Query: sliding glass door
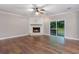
57, 34
57, 31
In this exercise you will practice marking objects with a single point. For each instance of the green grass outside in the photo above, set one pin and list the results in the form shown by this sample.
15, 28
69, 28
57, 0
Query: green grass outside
60, 31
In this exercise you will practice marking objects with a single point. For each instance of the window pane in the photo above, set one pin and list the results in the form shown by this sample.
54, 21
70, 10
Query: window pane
53, 28
60, 28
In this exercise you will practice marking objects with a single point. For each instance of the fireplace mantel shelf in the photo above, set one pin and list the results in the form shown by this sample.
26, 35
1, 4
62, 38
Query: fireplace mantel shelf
35, 24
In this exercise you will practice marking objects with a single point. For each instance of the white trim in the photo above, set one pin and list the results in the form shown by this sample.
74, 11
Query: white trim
13, 36
71, 38
47, 34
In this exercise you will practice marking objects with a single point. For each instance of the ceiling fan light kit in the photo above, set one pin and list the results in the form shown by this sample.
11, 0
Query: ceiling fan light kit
37, 13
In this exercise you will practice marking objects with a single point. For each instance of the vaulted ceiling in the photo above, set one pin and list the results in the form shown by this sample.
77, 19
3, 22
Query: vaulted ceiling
50, 9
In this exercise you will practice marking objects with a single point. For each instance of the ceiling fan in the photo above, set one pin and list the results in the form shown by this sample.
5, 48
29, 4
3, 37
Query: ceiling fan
38, 10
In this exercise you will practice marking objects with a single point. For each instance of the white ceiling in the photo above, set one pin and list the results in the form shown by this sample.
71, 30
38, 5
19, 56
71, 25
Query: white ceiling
22, 9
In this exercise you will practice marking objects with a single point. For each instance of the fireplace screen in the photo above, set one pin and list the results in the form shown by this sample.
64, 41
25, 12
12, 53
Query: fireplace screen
36, 29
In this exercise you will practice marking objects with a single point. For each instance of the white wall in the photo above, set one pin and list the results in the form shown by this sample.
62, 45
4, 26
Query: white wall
12, 25
78, 23
46, 25
71, 30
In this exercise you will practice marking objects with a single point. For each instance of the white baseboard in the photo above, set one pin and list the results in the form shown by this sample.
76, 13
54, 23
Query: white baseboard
71, 38
13, 36
47, 34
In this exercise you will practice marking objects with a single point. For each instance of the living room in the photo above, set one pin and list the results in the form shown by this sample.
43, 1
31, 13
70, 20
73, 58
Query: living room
39, 28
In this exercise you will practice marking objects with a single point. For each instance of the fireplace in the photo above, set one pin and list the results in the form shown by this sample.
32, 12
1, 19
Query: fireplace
36, 29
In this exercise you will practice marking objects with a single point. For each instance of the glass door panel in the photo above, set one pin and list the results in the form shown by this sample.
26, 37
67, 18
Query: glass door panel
53, 28
60, 28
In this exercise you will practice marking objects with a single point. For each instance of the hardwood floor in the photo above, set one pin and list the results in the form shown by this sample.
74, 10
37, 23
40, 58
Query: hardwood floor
71, 46
37, 45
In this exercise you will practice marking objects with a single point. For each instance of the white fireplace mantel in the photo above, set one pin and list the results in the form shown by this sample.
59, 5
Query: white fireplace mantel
36, 22
37, 25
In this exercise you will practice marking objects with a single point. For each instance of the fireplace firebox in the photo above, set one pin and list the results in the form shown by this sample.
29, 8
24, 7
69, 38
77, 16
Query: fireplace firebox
36, 29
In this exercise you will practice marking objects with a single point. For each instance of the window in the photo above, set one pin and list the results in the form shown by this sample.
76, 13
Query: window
57, 28
60, 28
53, 28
